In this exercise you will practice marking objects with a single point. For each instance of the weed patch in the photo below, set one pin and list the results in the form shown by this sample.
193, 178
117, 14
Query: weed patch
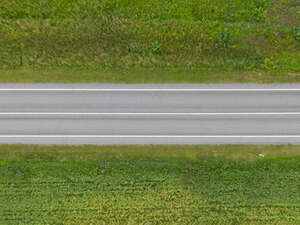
210, 36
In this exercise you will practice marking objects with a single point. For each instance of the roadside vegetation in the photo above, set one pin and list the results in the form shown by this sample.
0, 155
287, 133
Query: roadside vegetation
149, 184
134, 41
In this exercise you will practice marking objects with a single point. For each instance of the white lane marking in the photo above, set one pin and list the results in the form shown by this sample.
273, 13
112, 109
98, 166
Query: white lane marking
149, 136
141, 113
153, 89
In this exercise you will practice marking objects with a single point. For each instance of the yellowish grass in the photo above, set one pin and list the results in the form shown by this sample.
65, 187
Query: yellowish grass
90, 152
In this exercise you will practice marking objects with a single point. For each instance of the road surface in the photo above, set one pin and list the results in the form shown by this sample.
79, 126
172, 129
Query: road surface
149, 114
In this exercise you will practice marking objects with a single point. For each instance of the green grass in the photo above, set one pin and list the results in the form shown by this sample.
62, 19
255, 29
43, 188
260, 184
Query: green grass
149, 185
207, 39
141, 75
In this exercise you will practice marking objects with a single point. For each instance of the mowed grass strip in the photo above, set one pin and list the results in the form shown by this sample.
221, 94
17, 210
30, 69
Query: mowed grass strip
230, 184
144, 75
123, 41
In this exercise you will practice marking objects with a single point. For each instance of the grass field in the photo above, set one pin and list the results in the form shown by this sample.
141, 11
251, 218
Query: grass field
124, 41
149, 185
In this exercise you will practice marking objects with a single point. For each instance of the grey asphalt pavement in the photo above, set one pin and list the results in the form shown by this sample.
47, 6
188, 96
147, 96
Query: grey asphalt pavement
149, 114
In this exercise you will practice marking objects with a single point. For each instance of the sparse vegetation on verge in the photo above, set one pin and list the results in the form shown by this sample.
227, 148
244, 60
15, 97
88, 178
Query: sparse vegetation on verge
149, 184
191, 41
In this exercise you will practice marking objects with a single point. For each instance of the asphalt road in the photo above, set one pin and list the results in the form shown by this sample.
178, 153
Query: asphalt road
150, 114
